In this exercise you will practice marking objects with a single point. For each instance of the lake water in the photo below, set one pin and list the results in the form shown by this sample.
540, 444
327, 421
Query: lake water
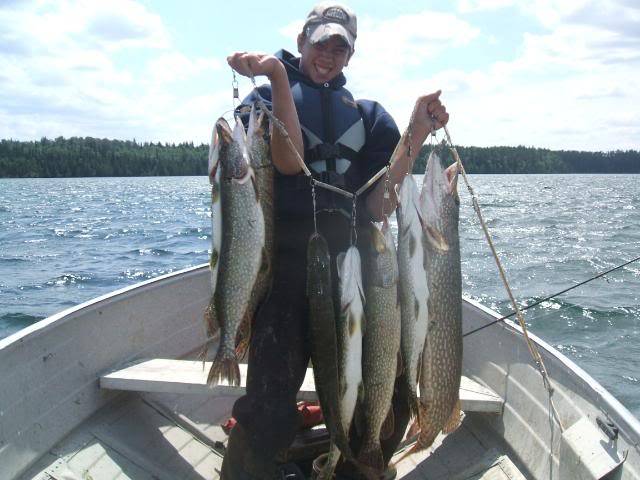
65, 241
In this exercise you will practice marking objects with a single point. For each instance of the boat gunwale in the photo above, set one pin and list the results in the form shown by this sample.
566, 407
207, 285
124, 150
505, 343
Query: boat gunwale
632, 433
44, 325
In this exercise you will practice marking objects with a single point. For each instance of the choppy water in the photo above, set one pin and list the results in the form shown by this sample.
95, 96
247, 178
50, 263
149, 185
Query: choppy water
65, 241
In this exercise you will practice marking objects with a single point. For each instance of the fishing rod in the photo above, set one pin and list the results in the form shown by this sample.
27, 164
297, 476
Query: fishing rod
551, 296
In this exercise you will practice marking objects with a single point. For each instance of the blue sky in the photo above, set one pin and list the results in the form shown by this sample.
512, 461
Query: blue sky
560, 74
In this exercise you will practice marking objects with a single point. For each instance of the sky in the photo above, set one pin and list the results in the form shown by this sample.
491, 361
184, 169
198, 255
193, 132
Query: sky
559, 74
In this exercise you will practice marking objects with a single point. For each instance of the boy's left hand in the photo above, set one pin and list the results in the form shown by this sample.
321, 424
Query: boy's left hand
429, 113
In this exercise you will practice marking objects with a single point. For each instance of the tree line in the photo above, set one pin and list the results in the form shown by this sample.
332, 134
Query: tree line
94, 157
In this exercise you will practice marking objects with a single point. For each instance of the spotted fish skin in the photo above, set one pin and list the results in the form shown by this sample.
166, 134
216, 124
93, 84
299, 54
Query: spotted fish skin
381, 342
218, 147
349, 326
414, 291
323, 335
260, 158
442, 355
241, 249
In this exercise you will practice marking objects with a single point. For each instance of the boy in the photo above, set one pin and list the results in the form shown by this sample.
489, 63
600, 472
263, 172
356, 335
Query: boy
344, 143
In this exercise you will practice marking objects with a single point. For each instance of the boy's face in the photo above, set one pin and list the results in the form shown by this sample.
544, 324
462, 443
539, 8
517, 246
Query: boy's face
323, 61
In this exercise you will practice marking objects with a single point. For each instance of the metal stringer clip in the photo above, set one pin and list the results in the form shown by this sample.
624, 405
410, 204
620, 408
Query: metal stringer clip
354, 231
312, 181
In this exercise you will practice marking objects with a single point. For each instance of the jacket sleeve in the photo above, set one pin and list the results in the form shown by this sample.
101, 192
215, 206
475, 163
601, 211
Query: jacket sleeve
381, 137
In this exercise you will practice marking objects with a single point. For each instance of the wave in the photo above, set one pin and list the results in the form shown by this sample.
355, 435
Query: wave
12, 322
69, 279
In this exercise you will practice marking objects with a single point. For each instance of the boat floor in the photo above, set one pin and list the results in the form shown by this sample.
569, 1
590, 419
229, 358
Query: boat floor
169, 436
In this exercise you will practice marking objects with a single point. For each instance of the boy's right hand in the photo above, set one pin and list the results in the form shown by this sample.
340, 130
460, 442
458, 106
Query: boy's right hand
252, 64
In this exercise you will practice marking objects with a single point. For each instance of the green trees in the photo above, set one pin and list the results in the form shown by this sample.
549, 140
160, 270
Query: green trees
539, 160
95, 157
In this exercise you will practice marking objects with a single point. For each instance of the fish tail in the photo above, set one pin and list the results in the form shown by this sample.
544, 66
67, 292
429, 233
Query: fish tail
332, 460
423, 442
371, 457
454, 420
224, 367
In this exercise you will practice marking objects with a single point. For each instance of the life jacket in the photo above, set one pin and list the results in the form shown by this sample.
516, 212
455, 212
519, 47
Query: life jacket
334, 134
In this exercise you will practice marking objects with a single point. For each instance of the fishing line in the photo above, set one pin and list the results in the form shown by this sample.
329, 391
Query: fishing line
551, 297
533, 350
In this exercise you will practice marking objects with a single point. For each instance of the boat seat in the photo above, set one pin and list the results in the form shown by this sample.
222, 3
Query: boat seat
162, 375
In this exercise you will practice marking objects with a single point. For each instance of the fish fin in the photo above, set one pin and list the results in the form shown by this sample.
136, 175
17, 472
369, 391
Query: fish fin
243, 335
224, 367
211, 319
454, 420
414, 429
436, 239
371, 456
388, 426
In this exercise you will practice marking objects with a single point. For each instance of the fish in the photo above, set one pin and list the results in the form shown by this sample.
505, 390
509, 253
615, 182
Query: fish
241, 248
260, 157
380, 344
216, 149
439, 403
350, 327
414, 291
323, 335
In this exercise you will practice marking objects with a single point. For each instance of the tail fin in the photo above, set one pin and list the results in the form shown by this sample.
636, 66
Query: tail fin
332, 460
422, 443
225, 367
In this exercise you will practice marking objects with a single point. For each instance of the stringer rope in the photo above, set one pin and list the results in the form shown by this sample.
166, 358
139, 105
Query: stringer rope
532, 348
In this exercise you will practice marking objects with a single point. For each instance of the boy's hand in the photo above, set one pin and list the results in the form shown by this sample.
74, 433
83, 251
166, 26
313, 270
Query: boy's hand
429, 114
252, 64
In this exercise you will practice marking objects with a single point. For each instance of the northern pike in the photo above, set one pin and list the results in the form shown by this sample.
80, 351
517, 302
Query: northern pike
381, 344
439, 404
260, 157
324, 340
414, 290
350, 324
241, 249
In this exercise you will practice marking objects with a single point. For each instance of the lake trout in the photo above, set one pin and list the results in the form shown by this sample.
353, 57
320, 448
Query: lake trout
217, 147
260, 157
349, 323
439, 404
324, 340
414, 290
241, 248
380, 345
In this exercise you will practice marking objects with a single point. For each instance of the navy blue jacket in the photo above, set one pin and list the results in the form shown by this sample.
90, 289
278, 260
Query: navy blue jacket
346, 142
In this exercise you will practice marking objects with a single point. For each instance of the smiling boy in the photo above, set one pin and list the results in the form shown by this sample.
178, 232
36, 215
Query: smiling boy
343, 142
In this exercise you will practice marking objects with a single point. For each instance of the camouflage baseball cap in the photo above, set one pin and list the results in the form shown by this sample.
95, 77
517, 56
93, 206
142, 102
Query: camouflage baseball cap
328, 19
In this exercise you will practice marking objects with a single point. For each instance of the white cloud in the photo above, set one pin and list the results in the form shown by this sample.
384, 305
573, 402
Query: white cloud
61, 74
574, 86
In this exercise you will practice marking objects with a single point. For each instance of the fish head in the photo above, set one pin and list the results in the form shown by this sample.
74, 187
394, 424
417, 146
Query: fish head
221, 139
439, 201
258, 138
235, 165
383, 262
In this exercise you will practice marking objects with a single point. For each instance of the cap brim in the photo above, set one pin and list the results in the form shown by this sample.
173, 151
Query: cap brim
327, 30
